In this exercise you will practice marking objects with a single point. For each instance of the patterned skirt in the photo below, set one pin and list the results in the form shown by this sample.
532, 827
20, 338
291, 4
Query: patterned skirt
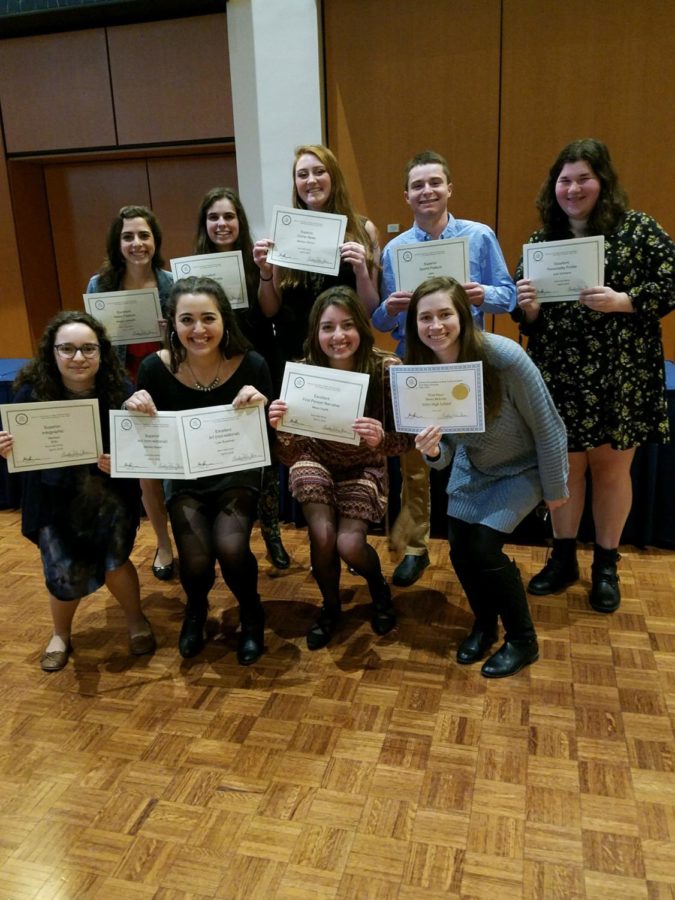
355, 493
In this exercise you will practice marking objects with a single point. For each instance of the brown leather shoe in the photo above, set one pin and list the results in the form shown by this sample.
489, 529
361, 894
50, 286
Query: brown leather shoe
54, 660
143, 643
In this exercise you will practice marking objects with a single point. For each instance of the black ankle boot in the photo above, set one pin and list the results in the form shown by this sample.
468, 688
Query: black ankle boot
511, 657
560, 571
474, 646
277, 552
251, 644
383, 617
193, 632
322, 630
605, 595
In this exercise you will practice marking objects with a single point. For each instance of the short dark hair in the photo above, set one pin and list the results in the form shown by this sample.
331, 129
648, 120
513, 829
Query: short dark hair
42, 373
612, 201
233, 342
427, 157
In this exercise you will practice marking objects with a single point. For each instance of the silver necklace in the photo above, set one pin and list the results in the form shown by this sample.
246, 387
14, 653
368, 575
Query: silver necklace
205, 387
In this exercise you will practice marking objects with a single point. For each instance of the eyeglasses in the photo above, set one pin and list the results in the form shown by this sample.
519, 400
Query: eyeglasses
69, 351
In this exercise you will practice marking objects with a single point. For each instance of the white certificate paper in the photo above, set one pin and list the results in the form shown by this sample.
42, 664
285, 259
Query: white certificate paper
188, 444
560, 270
449, 395
129, 317
225, 268
414, 263
143, 446
323, 402
53, 434
306, 240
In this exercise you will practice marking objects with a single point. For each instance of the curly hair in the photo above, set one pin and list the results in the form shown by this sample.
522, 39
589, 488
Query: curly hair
339, 202
114, 265
42, 373
233, 342
612, 201
204, 244
367, 358
472, 345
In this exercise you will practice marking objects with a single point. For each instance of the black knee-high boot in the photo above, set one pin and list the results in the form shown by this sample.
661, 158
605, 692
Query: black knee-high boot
251, 644
605, 595
520, 647
484, 631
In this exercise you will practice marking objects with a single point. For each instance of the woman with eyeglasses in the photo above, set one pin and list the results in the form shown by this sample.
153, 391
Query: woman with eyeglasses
83, 521
133, 262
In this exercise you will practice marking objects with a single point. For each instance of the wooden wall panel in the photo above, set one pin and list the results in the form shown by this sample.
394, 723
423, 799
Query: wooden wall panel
55, 92
171, 80
587, 68
15, 338
177, 186
83, 200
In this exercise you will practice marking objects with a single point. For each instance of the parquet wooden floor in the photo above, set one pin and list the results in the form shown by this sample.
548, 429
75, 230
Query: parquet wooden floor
376, 768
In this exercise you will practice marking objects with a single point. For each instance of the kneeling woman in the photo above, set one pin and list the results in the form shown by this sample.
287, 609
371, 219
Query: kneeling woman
343, 487
497, 476
83, 521
207, 362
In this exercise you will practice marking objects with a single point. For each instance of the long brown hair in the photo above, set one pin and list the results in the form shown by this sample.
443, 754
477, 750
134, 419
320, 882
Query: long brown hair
368, 358
114, 265
339, 202
612, 201
472, 345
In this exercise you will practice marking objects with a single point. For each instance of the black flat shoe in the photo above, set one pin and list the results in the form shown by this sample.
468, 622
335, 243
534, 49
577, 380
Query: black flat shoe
605, 596
409, 569
473, 646
277, 552
383, 618
192, 635
511, 657
322, 630
251, 646
555, 576
164, 573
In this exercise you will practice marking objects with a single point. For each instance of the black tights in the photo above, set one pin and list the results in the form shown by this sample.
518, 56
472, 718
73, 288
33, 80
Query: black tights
216, 527
331, 538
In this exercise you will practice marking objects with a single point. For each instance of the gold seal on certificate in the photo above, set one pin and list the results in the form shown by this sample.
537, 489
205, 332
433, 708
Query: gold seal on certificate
191, 443
560, 270
414, 263
129, 317
322, 402
306, 240
54, 434
449, 395
225, 268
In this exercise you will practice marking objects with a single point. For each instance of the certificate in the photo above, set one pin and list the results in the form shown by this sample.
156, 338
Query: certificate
560, 270
225, 268
129, 317
306, 240
323, 402
449, 395
189, 443
52, 434
143, 446
220, 439
414, 263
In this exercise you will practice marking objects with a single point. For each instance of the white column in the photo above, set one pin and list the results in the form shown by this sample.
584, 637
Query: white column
275, 63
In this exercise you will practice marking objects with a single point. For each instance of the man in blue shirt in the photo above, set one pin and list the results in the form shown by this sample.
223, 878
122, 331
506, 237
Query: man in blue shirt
491, 290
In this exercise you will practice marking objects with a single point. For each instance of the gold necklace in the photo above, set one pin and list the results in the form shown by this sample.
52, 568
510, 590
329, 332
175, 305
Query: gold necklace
205, 387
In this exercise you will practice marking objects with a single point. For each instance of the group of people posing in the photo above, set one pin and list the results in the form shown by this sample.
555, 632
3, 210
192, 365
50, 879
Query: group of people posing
587, 392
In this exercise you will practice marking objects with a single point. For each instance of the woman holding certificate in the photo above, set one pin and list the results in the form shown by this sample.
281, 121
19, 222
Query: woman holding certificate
343, 487
133, 262
83, 521
319, 186
498, 476
222, 226
601, 357
207, 362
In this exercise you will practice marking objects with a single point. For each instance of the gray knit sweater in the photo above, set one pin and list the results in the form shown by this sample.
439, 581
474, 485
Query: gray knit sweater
499, 476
